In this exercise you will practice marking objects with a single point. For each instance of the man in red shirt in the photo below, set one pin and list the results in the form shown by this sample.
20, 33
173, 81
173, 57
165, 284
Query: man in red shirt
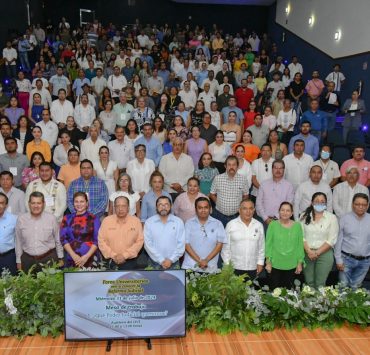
244, 95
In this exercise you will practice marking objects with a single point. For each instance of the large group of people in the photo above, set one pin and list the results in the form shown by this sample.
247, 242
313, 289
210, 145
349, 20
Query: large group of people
177, 147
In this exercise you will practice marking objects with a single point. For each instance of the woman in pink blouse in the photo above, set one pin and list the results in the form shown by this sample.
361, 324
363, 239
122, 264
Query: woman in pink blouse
184, 206
32, 172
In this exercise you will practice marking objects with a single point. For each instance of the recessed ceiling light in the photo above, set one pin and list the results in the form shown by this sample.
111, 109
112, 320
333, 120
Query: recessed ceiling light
287, 9
338, 35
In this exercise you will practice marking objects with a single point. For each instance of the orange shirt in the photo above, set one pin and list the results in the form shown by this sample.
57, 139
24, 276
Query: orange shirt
251, 151
68, 173
116, 238
43, 148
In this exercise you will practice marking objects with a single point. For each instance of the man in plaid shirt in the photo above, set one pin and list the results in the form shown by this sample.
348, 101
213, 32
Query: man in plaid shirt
95, 189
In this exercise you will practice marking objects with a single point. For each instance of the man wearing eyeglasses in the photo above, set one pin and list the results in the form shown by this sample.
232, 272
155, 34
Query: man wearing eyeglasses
204, 237
352, 250
164, 236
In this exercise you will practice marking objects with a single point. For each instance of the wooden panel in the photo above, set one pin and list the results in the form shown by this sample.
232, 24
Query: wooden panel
344, 340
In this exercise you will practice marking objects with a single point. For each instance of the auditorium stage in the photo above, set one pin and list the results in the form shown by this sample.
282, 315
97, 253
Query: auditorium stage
344, 340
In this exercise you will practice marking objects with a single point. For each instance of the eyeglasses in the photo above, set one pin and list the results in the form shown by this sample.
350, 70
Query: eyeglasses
266, 167
203, 230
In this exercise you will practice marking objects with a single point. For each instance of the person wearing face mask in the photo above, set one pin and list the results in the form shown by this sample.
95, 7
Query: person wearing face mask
330, 169
305, 190
320, 231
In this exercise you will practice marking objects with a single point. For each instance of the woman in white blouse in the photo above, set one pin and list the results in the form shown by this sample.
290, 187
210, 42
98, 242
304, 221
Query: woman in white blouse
244, 168
108, 117
320, 229
220, 150
124, 188
60, 156
216, 116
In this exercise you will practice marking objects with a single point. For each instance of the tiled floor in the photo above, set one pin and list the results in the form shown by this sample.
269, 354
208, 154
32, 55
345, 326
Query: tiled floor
340, 341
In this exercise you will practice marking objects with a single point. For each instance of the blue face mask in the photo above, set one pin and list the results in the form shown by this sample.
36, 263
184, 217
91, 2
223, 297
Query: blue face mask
325, 155
319, 207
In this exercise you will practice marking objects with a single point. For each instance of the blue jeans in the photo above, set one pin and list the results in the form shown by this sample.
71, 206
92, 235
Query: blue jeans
25, 63
354, 271
331, 118
224, 219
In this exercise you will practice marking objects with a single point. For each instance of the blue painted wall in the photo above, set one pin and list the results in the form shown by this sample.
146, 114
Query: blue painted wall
313, 59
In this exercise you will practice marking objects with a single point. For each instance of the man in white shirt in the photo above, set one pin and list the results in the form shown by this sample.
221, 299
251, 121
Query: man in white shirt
140, 169
6, 131
304, 192
10, 59
54, 192
49, 128
245, 246
39, 76
207, 97
61, 109
121, 149
176, 167
90, 146
214, 66
343, 193
84, 114
262, 168
45, 94
116, 82
15, 196
98, 83
297, 164
295, 67
254, 42
143, 39
188, 96
276, 84
330, 168
212, 82
337, 77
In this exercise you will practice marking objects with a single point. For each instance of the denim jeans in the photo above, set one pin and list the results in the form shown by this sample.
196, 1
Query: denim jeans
11, 71
354, 271
331, 118
23, 57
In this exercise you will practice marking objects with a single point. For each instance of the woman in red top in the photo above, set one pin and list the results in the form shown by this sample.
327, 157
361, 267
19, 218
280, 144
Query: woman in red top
250, 114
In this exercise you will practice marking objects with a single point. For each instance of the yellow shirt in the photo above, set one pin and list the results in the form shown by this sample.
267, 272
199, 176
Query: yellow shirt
43, 148
116, 238
260, 83
238, 63
217, 43
68, 173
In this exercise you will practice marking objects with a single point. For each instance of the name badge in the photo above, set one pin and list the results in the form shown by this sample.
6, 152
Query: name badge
49, 201
324, 176
14, 170
353, 114
123, 117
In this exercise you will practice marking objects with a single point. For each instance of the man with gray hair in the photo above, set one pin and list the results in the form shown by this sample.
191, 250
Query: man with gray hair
90, 146
123, 110
176, 167
343, 193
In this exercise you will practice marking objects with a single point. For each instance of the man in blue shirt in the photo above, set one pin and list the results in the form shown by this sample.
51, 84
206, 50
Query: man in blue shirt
153, 146
352, 250
232, 107
204, 237
311, 143
145, 56
164, 236
92, 186
318, 120
7, 237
